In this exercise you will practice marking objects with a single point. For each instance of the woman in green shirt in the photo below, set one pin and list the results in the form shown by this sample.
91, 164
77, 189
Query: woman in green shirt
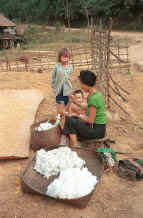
92, 125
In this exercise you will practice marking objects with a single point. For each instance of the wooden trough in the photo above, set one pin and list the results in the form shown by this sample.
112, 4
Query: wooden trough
35, 183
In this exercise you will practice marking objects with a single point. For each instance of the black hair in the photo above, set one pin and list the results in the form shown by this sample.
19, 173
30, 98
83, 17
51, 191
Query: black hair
88, 77
63, 52
78, 91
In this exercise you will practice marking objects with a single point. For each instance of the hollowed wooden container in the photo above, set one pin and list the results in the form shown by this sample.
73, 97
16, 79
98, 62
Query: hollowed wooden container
33, 182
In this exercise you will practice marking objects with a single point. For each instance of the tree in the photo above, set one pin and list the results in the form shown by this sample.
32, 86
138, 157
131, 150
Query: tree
66, 9
72, 10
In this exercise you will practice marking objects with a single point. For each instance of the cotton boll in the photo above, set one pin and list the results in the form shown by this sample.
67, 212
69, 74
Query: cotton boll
48, 125
52, 162
72, 183
45, 126
74, 180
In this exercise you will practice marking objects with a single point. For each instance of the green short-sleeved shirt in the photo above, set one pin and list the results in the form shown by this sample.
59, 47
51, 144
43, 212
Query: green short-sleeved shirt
97, 100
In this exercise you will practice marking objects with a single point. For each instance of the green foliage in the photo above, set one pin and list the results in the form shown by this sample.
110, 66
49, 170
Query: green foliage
52, 11
37, 36
59, 27
33, 33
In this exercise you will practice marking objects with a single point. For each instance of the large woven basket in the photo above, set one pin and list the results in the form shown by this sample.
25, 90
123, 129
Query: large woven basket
33, 182
40, 139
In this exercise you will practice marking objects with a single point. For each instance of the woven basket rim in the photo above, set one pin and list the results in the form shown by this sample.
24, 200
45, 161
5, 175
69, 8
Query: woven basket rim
43, 121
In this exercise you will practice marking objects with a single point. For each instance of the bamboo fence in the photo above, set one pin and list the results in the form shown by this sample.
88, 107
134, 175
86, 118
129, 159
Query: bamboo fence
103, 54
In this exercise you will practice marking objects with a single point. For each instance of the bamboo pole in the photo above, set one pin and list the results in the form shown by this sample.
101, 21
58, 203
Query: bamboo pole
108, 60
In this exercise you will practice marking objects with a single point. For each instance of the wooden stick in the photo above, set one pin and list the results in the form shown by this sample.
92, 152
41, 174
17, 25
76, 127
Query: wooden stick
119, 105
119, 94
119, 85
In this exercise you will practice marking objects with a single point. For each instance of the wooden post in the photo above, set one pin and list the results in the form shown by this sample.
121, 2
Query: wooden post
108, 61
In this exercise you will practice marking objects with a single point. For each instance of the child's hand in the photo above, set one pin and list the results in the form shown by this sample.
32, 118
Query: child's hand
72, 114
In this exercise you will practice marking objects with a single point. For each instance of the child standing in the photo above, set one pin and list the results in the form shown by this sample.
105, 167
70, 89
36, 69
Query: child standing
60, 78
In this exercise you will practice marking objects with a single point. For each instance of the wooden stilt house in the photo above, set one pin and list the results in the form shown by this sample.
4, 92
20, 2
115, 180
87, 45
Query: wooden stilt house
8, 35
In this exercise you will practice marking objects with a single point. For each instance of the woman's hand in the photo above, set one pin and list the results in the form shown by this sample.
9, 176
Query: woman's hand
91, 116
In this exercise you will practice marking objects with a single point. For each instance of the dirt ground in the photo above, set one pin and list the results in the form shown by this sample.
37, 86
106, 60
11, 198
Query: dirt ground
114, 197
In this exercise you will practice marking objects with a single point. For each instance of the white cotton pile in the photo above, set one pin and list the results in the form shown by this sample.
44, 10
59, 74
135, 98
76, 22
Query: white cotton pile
44, 126
47, 125
72, 183
50, 163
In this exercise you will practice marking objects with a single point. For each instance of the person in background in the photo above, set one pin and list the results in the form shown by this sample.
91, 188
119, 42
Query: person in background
91, 125
61, 78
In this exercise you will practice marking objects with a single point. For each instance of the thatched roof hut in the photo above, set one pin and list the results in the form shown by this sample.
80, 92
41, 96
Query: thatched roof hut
5, 22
